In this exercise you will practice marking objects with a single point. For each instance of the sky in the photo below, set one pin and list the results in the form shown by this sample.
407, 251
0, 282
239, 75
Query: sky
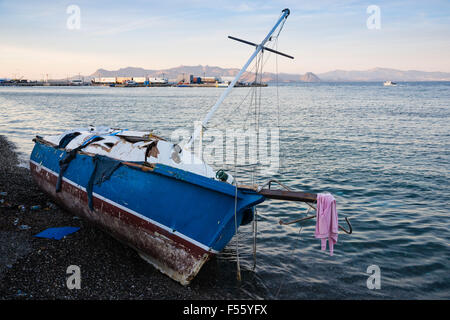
48, 37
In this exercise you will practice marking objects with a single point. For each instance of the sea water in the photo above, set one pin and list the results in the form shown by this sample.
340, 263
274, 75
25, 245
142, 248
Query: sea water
383, 152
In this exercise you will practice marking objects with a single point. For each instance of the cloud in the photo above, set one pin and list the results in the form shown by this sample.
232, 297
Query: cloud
59, 63
132, 25
321, 34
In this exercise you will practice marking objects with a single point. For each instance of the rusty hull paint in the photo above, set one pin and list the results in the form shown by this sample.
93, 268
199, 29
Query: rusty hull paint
170, 254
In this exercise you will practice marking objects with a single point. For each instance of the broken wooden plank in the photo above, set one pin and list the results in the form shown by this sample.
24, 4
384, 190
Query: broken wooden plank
288, 195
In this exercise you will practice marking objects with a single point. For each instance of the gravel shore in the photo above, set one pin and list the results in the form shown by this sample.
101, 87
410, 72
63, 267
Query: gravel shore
35, 268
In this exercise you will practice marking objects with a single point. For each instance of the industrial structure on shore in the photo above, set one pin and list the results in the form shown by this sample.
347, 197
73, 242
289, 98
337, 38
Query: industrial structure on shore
182, 80
130, 81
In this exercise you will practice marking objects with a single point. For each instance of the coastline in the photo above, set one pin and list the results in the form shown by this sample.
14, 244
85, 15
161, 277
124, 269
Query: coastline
35, 268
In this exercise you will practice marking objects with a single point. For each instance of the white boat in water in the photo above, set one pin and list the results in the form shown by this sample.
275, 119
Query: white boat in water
389, 83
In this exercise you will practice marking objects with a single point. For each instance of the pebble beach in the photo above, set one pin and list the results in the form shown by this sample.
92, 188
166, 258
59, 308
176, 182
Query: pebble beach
36, 268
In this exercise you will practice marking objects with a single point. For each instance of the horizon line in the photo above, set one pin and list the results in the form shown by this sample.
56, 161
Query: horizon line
216, 66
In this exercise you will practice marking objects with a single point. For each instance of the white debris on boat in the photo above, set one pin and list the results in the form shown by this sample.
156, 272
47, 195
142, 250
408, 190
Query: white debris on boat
132, 146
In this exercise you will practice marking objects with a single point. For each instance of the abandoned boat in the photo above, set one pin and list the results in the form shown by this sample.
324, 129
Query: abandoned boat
175, 210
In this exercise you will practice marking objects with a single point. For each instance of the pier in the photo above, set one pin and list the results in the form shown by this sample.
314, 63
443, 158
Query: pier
183, 80
121, 85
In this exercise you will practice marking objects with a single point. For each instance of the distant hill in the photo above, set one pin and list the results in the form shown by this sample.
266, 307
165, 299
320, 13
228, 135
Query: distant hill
375, 74
309, 77
208, 71
383, 74
167, 73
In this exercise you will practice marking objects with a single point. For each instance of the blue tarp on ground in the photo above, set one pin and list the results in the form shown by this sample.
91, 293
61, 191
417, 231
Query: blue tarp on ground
57, 233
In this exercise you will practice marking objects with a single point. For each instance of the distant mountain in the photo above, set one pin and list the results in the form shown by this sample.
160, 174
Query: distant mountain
170, 73
208, 71
123, 72
383, 74
375, 74
309, 77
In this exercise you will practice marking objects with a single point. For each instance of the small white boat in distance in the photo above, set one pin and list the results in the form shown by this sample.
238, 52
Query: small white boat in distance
389, 83
158, 80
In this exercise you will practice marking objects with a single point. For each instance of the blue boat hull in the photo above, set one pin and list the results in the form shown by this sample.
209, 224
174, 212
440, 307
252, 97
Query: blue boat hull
175, 219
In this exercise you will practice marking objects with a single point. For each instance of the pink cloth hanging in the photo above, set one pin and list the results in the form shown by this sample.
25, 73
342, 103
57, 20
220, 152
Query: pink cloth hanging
326, 221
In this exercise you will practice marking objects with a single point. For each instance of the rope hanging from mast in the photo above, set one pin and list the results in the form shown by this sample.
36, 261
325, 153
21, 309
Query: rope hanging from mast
198, 130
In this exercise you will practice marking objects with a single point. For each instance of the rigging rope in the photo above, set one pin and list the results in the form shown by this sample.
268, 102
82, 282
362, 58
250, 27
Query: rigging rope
285, 274
278, 95
236, 229
255, 231
232, 112
255, 101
